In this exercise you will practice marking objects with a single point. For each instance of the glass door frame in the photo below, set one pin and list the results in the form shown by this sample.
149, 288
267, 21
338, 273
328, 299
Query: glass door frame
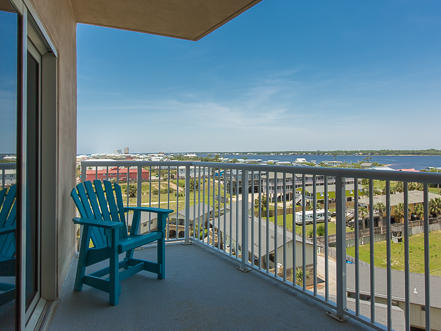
37, 56
30, 26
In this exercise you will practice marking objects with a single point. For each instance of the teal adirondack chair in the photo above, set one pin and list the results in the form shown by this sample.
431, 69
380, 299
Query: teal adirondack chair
105, 236
7, 242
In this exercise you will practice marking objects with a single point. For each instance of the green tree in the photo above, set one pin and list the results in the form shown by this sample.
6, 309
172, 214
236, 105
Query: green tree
415, 186
132, 191
363, 211
299, 277
263, 203
418, 210
194, 184
321, 230
365, 182
397, 187
398, 212
381, 209
435, 207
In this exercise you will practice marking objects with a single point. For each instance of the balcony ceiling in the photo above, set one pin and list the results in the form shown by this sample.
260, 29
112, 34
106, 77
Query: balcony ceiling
6, 5
189, 19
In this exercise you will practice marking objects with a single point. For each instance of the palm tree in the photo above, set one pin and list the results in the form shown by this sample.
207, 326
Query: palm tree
381, 209
363, 213
397, 187
416, 186
418, 210
435, 207
299, 277
398, 212
263, 204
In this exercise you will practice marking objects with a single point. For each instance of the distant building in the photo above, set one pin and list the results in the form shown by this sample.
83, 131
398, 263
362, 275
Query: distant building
229, 227
115, 173
156, 157
196, 172
284, 163
279, 184
126, 150
333, 163
366, 164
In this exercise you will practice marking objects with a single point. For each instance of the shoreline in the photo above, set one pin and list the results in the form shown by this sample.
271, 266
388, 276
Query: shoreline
331, 155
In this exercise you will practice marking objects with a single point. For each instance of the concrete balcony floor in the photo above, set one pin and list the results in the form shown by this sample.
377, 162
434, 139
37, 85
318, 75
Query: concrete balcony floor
202, 291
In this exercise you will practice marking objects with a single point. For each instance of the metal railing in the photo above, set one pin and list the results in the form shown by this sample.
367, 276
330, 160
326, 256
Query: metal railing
227, 208
8, 174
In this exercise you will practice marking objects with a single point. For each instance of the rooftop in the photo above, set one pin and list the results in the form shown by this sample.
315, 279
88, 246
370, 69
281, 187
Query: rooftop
416, 294
397, 198
253, 238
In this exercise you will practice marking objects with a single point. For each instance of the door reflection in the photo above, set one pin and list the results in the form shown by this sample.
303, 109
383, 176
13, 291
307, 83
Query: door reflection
8, 152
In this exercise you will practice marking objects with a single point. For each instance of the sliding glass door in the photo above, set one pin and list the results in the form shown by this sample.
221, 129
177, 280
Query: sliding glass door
28, 159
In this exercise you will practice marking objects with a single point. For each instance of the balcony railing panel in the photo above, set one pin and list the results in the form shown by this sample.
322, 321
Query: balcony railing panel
8, 174
291, 224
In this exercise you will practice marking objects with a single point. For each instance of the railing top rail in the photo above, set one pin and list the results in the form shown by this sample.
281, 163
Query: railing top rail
7, 166
405, 176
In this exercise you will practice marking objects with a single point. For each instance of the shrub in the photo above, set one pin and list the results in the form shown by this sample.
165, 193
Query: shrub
321, 230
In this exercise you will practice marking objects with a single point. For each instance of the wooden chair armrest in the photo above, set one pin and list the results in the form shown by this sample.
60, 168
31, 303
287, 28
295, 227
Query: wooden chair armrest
93, 222
162, 216
150, 209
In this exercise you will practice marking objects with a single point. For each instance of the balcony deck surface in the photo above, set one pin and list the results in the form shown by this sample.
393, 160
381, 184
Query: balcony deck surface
202, 291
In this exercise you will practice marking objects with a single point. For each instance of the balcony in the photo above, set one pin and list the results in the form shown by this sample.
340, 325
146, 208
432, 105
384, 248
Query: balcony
274, 247
201, 291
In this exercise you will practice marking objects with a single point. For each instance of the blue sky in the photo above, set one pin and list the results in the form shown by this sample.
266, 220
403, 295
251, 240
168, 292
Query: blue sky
8, 82
285, 75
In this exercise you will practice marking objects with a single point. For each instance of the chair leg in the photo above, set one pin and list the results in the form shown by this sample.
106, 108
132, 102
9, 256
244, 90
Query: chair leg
114, 289
161, 258
129, 256
81, 268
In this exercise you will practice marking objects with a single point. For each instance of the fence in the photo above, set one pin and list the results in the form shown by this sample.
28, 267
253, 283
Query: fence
245, 224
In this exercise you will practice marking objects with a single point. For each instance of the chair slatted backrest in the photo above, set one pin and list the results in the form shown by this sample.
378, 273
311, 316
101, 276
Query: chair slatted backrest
100, 203
7, 220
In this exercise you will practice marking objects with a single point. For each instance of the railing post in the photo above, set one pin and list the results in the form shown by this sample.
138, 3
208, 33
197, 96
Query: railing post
139, 187
187, 205
340, 197
83, 172
244, 262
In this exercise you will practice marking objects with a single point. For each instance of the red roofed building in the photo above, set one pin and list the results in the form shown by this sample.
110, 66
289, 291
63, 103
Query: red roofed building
114, 173
410, 170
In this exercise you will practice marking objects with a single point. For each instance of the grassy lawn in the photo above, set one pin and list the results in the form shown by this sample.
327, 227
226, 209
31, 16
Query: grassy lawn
309, 227
154, 198
416, 253
435, 190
